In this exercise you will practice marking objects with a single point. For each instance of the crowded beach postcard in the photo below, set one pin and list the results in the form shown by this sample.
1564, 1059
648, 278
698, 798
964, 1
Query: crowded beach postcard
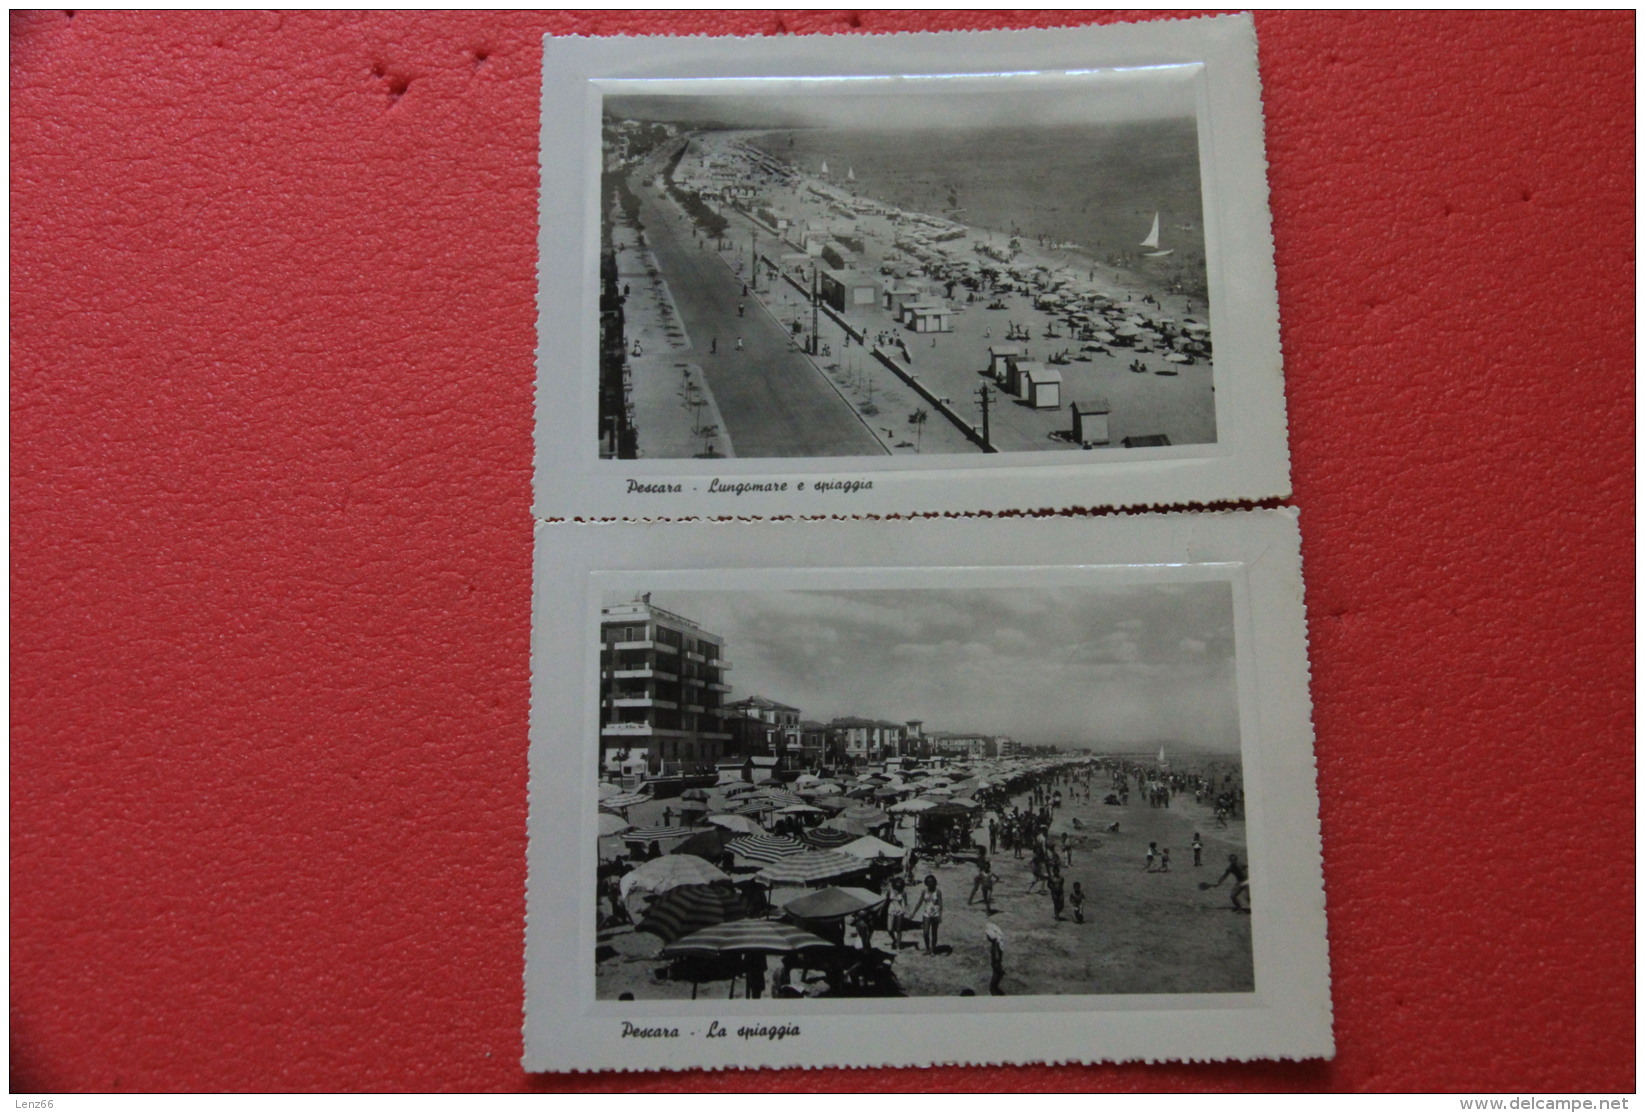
854, 291
962, 776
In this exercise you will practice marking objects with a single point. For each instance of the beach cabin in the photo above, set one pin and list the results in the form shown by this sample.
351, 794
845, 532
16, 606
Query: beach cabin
1042, 387
1090, 421
761, 768
928, 316
848, 291
836, 256
1001, 358
1016, 376
897, 294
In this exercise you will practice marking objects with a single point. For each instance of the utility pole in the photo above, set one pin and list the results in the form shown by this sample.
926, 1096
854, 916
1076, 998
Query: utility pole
985, 395
816, 344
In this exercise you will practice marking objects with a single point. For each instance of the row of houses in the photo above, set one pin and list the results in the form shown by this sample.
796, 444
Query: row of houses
664, 709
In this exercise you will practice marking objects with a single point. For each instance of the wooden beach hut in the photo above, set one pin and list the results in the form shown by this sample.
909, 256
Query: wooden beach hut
1001, 359
1090, 421
1041, 386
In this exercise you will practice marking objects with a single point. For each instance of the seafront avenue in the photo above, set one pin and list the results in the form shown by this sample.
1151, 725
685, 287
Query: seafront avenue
772, 399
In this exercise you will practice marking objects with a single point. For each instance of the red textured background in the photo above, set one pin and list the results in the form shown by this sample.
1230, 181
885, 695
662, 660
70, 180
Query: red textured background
272, 359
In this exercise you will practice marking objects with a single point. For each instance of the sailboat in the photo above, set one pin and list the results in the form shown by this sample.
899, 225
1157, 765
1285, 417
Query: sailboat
850, 174
1153, 242
1162, 755
825, 174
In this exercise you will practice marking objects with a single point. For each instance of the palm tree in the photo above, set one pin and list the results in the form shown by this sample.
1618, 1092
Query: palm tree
917, 420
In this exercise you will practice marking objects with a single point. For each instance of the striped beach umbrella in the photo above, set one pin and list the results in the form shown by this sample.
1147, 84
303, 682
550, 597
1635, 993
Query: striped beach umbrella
611, 824
738, 824
624, 800
780, 798
690, 908
824, 838
813, 865
866, 815
832, 903
740, 936
656, 834
644, 884
764, 848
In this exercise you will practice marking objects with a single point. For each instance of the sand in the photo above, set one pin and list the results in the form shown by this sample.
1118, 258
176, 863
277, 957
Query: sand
1144, 932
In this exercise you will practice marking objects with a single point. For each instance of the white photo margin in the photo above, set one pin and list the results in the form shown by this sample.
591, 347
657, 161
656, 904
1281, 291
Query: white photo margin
1288, 1015
1250, 459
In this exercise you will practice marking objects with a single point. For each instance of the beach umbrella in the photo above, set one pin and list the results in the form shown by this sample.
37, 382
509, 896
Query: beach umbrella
739, 824
948, 809
691, 908
806, 779
756, 807
812, 865
764, 848
644, 884
799, 809
606, 788
624, 800
868, 847
742, 936
708, 842
867, 816
611, 849
826, 838
832, 903
612, 824
780, 798
694, 794
916, 805
832, 803
656, 834
1175, 357
853, 827
741, 790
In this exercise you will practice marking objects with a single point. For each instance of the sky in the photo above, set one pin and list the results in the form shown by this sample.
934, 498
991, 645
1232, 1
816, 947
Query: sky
1121, 668
1096, 98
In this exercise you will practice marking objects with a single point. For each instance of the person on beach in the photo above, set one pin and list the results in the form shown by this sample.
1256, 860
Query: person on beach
1150, 858
1165, 860
1198, 848
928, 911
896, 912
996, 959
1039, 873
1242, 886
1055, 885
1067, 849
713, 345
739, 343
993, 836
1076, 899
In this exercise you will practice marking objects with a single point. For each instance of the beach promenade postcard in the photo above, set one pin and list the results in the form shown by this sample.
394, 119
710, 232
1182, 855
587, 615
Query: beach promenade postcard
793, 809
844, 274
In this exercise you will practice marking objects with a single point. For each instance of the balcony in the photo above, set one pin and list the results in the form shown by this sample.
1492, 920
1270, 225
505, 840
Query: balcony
659, 647
638, 674
637, 700
697, 657
716, 686
627, 730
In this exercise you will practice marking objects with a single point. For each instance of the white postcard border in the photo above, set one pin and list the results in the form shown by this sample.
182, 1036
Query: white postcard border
1287, 1016
1249, 461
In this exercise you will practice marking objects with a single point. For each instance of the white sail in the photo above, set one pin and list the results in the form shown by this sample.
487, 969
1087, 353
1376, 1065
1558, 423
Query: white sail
825, 174
1153, 233
850, 174
1162, 755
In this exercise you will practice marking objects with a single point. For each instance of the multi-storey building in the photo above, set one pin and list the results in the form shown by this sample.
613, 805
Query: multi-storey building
865, 740
662, 682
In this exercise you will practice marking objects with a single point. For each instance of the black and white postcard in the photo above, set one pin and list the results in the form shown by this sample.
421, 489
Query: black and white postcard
846, 274
855, 793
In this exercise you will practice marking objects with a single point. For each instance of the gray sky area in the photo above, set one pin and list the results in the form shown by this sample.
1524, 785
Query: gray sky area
1103, 97
1119, 668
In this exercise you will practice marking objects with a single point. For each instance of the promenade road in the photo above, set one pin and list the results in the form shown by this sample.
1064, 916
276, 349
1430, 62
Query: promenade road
773, 401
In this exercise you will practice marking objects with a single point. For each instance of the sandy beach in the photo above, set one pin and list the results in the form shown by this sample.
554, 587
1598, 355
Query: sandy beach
1145, 932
